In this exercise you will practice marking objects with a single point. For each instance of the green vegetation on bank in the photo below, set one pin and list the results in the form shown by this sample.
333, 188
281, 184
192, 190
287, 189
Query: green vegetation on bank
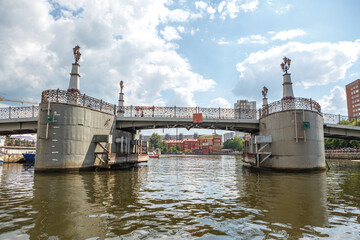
235, 144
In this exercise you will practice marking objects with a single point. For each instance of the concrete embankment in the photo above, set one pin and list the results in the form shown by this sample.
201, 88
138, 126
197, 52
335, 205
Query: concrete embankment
12, 158
350, 156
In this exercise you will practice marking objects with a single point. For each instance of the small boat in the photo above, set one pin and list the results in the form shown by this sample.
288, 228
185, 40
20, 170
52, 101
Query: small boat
153, 155
29, 157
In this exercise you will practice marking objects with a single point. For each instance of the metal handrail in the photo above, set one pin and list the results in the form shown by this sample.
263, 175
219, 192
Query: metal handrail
60, 96
75, 98
19, 112
290, 104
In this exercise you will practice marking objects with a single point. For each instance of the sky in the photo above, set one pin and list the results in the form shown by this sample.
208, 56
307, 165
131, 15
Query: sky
181, 53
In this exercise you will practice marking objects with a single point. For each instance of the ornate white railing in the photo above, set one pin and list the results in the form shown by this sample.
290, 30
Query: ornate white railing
75, 98
290, 104
19, 112
187, 112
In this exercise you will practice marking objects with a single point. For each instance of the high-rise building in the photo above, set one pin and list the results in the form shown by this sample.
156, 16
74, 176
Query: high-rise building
353, 98
245, 109
231, 135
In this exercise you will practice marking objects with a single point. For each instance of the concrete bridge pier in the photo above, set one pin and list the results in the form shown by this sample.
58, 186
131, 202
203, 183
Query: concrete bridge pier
297, 140
81, 134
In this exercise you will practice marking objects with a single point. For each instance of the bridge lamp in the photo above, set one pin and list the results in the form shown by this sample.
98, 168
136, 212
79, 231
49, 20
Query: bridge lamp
285, 65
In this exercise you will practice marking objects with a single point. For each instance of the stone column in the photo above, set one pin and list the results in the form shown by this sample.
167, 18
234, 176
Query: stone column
287, 86
120, 111
74, 84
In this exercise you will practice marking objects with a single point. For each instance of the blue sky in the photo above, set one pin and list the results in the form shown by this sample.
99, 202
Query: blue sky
183, 53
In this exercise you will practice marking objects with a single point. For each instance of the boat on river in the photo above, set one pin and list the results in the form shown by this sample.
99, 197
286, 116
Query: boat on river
29, 157
153, 155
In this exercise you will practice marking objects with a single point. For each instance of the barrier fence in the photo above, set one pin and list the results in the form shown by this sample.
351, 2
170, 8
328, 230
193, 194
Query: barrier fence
75, 98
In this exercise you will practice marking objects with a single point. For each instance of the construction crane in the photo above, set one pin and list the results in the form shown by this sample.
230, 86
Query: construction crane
19, 101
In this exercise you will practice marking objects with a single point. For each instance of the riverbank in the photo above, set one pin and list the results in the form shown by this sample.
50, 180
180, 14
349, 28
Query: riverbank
13, 158
351, 156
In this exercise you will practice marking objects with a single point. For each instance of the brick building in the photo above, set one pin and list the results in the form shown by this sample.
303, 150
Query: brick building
210, 143
190, 144
353, 98
174, 143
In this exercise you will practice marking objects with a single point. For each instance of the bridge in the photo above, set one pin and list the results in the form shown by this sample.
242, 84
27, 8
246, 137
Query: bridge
22, 120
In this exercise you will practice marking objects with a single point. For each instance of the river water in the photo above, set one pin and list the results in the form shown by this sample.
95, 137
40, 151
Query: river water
181, 197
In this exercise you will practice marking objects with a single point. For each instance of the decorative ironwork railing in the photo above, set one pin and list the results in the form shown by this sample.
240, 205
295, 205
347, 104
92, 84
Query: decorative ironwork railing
19, 112
75, 98
187, 112
59, 96
290, 104
337, 118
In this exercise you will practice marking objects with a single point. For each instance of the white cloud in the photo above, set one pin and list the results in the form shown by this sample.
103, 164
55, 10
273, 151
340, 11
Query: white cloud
283, 9
313, 64
178, 15
255, 39
181, 29
220, 102
223, 42
170, 33
119, 41
201, 5
249, 6
334, 103
289, 34
231, 8
211, 10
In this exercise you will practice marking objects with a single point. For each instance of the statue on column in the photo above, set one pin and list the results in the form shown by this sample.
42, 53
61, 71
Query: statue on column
264, 91
121, 86
77, 53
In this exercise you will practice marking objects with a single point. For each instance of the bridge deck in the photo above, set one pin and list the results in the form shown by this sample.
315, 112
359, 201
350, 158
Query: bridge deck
18, 126
22, 120
136, 123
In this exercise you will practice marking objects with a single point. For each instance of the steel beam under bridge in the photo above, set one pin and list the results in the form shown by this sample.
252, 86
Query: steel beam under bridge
342, 131
138, 123
18, 126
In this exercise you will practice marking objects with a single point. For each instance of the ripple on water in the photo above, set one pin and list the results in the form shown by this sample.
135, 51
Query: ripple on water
177, 197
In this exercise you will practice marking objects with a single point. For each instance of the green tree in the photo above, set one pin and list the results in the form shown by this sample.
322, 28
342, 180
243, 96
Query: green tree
155, 141
235, 144
164, 147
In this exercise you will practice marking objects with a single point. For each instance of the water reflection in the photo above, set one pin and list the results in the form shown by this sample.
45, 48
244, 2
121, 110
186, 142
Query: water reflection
79, 206
286, 203
180, 197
